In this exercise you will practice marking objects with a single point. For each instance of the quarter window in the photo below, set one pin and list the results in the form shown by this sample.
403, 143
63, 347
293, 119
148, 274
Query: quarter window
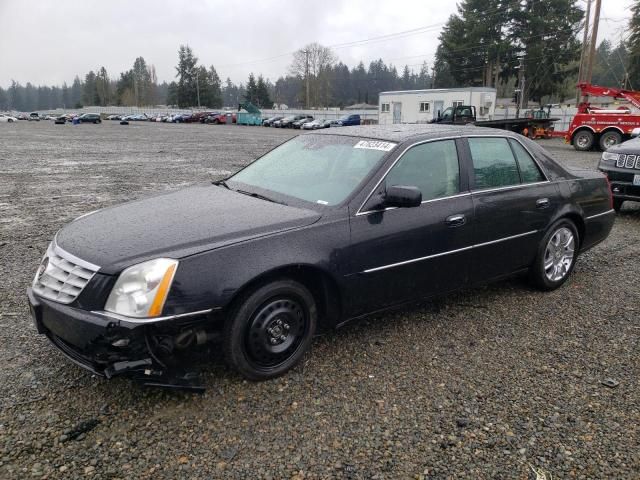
384, 108
493, 163
432, 167
529, 171
424, 107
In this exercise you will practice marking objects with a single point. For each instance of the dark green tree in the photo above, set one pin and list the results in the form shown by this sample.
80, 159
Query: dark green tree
634, 46
262, 93
251, 93
186, 74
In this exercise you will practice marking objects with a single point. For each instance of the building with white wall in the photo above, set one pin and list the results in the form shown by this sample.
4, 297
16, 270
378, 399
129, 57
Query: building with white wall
421, 106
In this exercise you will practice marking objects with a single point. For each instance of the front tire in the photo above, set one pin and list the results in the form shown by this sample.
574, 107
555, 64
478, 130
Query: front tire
617, 204
609, 139
556, 256
269, 329
583, 140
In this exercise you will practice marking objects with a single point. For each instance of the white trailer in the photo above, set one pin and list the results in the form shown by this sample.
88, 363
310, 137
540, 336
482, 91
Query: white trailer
421, 106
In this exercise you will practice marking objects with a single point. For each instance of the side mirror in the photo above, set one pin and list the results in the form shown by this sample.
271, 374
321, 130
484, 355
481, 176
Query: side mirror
402, 196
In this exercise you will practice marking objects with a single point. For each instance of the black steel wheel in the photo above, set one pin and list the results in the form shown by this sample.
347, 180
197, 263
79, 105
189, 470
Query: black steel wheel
269, 330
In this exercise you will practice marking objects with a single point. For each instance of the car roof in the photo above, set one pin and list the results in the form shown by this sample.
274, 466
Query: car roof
400, 133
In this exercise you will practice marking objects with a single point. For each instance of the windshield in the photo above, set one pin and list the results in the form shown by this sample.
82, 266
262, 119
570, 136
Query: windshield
322, 169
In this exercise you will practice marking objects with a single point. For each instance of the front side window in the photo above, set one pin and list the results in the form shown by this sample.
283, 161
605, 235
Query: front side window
432, 167
493, 163
322, 169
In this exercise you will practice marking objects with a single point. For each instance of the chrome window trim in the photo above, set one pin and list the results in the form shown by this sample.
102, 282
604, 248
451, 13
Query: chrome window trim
149, 320
544, 173
441, 254
378, 210
600, 214
384, 175
509, 187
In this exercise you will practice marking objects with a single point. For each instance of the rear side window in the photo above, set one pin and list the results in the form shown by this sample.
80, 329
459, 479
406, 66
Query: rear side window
529, 171
493, 163
432, 167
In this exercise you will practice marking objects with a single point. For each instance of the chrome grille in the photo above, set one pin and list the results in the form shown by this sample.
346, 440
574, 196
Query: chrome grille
62, 276
628, 161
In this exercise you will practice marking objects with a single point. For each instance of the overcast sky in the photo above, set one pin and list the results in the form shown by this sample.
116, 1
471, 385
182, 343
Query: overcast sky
49, 42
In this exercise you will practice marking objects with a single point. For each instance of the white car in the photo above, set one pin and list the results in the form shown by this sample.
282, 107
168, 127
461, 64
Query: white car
7, 118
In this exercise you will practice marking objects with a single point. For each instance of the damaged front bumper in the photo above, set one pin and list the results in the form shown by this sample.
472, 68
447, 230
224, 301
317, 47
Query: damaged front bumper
110, 345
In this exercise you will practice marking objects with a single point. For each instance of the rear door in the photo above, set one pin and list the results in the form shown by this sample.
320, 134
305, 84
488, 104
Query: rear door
401, 254
513, 204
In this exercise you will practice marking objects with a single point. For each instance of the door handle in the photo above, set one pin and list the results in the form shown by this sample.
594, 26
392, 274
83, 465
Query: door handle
542, 203
455, 220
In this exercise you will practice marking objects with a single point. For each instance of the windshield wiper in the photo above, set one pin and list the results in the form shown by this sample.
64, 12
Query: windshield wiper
223, 183
261, 197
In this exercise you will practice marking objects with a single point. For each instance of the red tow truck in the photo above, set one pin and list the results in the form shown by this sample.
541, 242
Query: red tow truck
593, 126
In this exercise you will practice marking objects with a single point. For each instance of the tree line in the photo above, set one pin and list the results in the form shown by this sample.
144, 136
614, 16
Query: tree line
485, 43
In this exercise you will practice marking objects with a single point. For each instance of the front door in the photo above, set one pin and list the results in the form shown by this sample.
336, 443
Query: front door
401, 254
397, 112
513, 203
438, 108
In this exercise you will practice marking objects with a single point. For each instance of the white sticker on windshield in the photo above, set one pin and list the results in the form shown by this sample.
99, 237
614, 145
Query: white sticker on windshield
375, 145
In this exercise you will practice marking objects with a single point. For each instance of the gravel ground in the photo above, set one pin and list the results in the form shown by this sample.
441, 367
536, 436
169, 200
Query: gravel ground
488, 383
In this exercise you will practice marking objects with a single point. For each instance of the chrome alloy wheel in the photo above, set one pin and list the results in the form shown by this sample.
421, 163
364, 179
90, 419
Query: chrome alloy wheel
559, 254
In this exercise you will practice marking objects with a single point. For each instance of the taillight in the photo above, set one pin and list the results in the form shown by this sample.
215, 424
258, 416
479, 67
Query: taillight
606, 177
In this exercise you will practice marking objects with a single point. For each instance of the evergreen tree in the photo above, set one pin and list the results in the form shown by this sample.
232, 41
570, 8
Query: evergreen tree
251, 93
186, 74
262, 94
634, 46
76, 94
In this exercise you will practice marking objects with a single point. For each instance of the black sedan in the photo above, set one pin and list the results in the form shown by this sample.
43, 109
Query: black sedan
323, 229
621, 164
89, 118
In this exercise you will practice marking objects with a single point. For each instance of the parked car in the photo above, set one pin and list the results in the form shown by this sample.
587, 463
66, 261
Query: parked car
621, 164
298, 123
316, 124
349, 120
114, 117
61, 120
269, 121
222, 118
212, 118
329, 226
90, 118
34, 117
287, 121
4, 118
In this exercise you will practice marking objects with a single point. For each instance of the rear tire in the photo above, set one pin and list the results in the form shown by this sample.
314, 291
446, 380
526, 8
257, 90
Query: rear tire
609, 139
270, 329
556, 257
583, 140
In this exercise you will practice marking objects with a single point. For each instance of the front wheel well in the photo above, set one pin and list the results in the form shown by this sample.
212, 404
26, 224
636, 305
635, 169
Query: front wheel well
322, 286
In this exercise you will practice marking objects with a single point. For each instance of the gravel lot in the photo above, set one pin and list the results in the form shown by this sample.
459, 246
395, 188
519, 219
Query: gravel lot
488, 383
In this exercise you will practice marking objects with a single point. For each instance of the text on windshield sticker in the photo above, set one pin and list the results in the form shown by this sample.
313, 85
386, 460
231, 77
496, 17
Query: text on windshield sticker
374, 145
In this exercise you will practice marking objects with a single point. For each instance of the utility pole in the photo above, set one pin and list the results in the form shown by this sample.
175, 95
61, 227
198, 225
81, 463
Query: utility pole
594, 39
520, 89
306, 75
585, 37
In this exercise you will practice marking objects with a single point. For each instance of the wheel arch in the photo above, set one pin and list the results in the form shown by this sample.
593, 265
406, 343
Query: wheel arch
612, 128
576, 218
583, 127
322, 285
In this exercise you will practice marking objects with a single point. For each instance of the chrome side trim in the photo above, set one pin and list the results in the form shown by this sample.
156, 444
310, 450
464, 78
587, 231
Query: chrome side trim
72, 258
150, 320
600, 214
441, 254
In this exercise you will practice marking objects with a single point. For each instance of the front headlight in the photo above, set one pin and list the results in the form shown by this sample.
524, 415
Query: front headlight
141, 290
609, 157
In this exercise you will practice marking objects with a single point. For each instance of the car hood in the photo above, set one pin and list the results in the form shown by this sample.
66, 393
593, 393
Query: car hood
176, 225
